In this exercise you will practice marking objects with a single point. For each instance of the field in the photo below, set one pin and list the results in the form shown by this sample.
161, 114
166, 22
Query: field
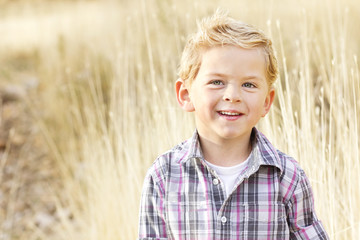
88, 102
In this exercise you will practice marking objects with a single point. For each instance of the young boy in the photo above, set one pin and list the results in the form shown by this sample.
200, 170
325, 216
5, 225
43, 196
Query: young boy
227, 181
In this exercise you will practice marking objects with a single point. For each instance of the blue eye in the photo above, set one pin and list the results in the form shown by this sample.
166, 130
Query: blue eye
216, 82
248, 85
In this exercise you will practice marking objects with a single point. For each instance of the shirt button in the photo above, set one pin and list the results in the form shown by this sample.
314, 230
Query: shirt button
223, 219
215, 181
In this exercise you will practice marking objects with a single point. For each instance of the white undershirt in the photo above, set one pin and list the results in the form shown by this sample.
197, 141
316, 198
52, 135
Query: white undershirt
228, 175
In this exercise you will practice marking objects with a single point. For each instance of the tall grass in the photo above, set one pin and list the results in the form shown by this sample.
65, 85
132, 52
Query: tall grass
107, 73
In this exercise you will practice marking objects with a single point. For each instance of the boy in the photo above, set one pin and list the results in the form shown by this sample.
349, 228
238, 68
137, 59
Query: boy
227, 181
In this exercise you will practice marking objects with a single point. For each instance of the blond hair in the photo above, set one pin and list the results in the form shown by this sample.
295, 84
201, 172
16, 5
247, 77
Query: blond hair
220, 30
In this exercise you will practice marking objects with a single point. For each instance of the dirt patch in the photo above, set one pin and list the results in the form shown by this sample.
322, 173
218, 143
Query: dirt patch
27, 174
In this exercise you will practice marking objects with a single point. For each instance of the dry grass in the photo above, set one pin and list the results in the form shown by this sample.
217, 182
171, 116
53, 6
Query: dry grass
106, 107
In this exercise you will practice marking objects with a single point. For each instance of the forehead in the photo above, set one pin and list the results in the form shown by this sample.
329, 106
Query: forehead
233, 60
237, 50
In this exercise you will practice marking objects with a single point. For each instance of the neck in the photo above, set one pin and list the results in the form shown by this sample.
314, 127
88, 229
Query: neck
225, 153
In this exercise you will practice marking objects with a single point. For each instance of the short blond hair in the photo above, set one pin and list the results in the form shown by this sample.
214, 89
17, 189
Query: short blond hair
220, 30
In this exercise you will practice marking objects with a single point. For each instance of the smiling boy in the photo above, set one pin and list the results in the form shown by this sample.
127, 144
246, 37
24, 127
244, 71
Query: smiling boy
229, 96
227, 181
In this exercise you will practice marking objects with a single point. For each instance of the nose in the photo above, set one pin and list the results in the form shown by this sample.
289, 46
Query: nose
232, 94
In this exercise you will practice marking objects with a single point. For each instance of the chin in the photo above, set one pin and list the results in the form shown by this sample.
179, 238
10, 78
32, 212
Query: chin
233, 133
230, 135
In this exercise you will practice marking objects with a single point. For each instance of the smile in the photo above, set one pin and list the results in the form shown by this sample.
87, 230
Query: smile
230, 113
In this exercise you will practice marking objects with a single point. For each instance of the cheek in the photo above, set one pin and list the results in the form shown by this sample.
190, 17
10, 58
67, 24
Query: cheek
257, 104
205, 107
205, 98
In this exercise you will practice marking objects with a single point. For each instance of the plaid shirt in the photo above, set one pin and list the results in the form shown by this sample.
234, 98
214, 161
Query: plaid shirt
183, 198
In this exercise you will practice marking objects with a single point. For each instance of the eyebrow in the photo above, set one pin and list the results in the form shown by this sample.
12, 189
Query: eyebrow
251, 77
215, 74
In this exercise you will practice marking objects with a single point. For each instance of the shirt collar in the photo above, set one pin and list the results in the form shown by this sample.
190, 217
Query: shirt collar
263, 152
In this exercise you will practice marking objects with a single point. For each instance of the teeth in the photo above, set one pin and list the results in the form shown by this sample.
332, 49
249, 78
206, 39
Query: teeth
230, 113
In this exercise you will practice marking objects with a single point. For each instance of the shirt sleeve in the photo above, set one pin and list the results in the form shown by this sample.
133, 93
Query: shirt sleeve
303, 222
152, 224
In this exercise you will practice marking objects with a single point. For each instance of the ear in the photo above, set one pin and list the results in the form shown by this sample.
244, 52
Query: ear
268, 101
183, 96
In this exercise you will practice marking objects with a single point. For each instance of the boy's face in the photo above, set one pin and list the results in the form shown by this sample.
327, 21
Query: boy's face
230, 93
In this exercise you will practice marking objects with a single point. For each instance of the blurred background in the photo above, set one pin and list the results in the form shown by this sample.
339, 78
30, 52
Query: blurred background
87, 103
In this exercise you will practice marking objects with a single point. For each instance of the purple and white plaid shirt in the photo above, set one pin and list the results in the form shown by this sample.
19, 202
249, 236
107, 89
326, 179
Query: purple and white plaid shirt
183, 198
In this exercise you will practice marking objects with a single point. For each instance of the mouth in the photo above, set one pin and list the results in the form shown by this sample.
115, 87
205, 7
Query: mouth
230, 113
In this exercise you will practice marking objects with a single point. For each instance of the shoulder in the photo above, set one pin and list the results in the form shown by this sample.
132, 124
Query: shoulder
292, 176
270, 155
288, 164
168, 161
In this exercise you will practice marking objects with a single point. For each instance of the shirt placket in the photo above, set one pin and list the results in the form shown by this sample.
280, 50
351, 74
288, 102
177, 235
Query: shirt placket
222, 224
222, 205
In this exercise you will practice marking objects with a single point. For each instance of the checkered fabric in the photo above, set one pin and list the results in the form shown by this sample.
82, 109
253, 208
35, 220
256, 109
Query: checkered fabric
183, 198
